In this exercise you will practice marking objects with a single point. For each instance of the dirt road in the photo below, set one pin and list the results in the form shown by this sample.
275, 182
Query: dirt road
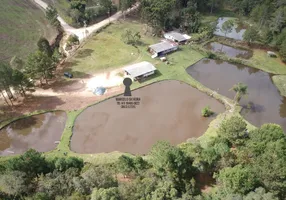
85, 32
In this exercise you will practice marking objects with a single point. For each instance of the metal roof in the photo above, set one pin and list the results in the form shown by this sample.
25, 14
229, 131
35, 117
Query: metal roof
177, 36
162, 46
139, 69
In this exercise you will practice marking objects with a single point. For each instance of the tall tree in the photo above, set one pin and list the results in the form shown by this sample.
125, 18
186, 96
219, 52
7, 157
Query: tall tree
40, 66
125, 4
251, 35
44, 46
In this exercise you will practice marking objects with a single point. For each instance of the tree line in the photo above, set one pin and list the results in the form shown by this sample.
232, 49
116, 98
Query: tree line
245, 165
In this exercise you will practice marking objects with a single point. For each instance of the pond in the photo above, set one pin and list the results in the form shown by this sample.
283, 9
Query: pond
229, 51
236, 32
168, 110
263, 104
39, 132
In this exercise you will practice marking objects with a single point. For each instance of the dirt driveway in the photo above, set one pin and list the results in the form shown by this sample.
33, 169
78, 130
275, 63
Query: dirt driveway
64, 94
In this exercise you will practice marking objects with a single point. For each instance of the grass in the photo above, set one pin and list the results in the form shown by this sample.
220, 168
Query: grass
176, 70
62, 7
22, 24
280, 82
259, 60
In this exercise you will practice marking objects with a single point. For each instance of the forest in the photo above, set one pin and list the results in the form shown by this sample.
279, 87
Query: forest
244, 165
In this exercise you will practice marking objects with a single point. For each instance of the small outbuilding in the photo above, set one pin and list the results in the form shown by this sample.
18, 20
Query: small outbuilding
271, 54
177, 37
162, 48
140, 70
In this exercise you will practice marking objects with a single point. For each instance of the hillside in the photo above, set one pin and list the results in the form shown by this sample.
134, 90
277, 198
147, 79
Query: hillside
22, 24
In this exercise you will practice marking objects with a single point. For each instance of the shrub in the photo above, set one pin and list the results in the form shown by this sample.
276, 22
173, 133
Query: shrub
207, 112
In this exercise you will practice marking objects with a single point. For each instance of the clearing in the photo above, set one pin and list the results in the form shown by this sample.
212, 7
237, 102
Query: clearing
280, 82
22, 24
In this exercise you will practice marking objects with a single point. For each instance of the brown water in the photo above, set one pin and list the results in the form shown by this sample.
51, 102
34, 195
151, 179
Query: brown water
263, 104
38, 132
168, 110
229, 51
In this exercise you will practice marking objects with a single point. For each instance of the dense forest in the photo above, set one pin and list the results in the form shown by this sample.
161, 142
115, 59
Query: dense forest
245, 165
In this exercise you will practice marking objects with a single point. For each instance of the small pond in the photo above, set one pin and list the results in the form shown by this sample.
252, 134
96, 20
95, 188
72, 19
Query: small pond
229, 51
168, 110
39, 132
263, 104
236, 33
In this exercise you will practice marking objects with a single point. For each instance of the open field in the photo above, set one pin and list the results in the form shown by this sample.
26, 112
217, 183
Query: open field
280, 82
22, 24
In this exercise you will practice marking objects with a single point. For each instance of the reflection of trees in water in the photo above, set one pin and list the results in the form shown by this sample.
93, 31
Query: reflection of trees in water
219, 62
206, 61
251, 70
282, 110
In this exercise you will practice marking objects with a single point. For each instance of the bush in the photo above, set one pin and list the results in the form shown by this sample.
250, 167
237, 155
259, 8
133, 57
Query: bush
73, 40
207, 112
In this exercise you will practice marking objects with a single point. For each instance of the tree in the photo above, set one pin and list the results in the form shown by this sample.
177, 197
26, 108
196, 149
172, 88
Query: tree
156, 13
31, 162
125, 164
40, 66
44, 46
233, 130
62, 164
241, 90
21, 82
75, 15
125, 4
282, 51
105, 194
78, 5
52, 16
227, 27
237, 179
130, 37
13, 183
251, 34
17, 63
107, 4
6, 81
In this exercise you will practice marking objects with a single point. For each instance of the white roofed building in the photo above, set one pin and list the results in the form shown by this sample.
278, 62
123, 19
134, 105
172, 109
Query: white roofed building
140, 70
162, 48
177, 37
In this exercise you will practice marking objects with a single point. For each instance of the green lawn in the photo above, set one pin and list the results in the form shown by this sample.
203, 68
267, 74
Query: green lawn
62, 7
280, 82
22, 24
266, 63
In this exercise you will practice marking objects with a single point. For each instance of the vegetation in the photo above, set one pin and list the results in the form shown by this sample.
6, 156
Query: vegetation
170, 172
280, 82
22, 24
131, 38
227, 27
241, 90
207, 112
251, 34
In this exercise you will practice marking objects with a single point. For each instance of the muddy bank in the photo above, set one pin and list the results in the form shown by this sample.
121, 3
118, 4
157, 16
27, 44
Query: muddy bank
168, 110
39, 132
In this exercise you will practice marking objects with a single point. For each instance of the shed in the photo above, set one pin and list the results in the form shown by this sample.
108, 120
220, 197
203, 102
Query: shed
177, 37
140, 70
162, 48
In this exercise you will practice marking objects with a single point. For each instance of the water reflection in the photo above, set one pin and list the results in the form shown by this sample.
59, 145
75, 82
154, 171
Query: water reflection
236, 32
263, 104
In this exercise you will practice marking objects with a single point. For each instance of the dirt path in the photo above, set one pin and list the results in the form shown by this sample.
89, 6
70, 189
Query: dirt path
85, 32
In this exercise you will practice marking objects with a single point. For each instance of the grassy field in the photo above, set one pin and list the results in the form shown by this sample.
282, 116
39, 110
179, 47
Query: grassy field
62, 7
22, 24
280, 82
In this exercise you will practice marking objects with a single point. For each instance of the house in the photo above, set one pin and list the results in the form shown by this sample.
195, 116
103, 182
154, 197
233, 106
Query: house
177, 37
162, 48
140, 70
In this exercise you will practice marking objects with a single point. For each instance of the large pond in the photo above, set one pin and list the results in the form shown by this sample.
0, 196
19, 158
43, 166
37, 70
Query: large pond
39, 132
236, 32
168, 110
229, 51
263, 104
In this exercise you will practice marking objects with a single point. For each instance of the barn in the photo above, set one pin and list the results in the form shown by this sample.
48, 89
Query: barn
140, 70
162, 48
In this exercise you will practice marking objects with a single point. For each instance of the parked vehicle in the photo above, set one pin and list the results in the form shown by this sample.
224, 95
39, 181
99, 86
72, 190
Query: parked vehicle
68, 75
